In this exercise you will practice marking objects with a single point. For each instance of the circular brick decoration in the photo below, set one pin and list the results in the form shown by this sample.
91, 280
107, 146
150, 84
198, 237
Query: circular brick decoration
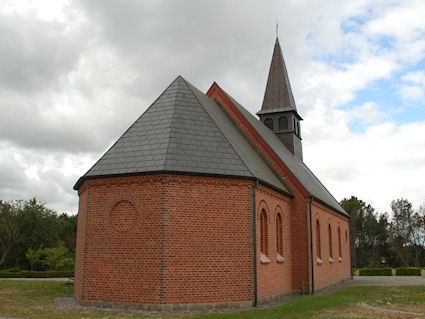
123, 216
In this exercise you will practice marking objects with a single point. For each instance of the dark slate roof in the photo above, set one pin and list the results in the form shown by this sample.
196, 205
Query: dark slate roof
278, 96
294, 164
184, 131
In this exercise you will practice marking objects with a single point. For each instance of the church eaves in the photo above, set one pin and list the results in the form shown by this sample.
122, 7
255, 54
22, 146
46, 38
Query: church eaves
184, 131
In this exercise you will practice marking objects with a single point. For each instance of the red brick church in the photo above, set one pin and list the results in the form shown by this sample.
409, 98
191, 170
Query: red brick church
201, 206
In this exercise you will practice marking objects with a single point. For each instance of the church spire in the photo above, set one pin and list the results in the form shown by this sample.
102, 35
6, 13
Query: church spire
279, 112
278, 93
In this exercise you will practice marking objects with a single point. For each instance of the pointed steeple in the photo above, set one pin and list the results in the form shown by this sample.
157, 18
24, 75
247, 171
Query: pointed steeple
279, 112
278, 95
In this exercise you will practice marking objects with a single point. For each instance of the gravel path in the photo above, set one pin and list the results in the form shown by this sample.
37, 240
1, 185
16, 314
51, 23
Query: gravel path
375, 281
386, 281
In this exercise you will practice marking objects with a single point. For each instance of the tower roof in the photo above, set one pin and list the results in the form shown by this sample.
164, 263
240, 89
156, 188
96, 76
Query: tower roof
184, 131
278, 96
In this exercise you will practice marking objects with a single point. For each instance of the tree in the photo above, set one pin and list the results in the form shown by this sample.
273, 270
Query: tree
28, 225
33, 257
402, 225
52, 256
67, 230
367, 233
10, 232
383, 237
67, 263
418, 235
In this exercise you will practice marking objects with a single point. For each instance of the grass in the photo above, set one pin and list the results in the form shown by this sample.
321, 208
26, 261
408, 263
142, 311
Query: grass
34, 299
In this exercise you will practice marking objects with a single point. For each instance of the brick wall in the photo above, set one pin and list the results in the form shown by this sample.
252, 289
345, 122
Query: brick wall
177, 240
329, 272
173, 239
274, 277
120, 255
209, 240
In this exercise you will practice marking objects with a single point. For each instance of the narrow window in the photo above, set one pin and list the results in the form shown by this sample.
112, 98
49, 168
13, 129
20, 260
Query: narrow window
318, 249
339, 242
279, 234
346, 236
269, 123
295, 127
263, 232
283, 123
299, 130
330, 241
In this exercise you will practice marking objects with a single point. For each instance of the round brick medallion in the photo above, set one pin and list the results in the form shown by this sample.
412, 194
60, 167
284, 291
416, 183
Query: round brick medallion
123, 216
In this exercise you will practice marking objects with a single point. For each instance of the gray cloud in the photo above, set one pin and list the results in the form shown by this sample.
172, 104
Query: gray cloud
70, 87
34, 54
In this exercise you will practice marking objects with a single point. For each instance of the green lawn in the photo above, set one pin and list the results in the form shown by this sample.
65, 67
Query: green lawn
34, 299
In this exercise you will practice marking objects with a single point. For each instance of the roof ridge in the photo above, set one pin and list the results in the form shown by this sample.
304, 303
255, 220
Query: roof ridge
172, 118
253, 146
189, 86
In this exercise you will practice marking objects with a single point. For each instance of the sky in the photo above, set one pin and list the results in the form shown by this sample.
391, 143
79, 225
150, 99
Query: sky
74, 75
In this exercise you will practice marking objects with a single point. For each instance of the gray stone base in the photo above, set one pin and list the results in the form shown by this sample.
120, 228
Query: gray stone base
167, 308
333, 286
275, 300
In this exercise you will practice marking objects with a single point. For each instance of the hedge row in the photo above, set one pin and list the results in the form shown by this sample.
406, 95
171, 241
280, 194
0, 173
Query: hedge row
404, 271
37, 274
375, 272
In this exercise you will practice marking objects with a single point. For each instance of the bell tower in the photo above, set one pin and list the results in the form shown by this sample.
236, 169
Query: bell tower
279, 112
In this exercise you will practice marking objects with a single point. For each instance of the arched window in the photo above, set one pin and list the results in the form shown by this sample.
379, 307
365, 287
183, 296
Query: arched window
264, 233
318, 249
269, 123
279, 234
283, 123
339, 243
330, 241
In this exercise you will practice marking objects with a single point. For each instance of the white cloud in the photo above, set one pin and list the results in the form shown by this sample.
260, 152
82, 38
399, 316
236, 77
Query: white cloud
49, 177
368, 113
417, 77
413, 87
404, 20
385, 163
411, 92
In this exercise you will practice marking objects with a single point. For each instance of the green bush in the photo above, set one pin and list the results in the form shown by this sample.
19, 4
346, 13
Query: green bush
65, 264
375, 272
52, 256
408, 271
37, 274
